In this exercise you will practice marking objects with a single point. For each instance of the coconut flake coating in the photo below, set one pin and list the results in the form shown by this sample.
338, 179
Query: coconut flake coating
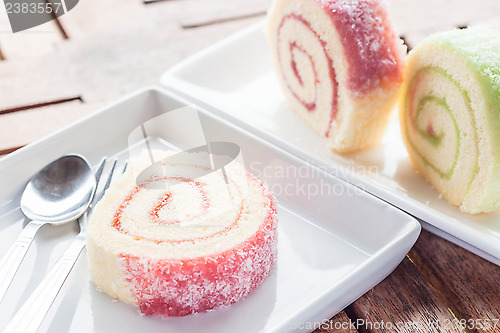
182, 287
369, 42
449, 113
340, 66
198, 244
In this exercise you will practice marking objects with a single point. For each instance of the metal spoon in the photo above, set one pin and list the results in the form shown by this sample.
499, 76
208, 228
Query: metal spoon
31, 315
59, 193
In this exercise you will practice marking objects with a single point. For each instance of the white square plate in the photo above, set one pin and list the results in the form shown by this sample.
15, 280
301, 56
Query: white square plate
235, 78
332, 247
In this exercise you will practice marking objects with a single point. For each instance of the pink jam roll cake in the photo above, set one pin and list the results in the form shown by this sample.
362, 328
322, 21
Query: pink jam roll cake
340, 66
196, 244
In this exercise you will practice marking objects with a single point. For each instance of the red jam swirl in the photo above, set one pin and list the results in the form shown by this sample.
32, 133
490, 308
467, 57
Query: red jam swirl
310, 106
163, 202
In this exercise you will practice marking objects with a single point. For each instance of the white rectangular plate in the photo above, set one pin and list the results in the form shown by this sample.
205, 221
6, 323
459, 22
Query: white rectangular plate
332, 247
235, 78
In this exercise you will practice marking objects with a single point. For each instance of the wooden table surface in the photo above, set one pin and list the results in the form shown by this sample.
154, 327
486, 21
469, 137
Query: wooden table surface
58, 72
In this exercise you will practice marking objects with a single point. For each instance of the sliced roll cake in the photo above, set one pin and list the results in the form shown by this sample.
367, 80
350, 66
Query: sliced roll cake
449, 115
340, 66
192, 244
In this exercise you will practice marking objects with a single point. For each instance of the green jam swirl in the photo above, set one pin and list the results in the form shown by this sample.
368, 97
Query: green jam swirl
436, 140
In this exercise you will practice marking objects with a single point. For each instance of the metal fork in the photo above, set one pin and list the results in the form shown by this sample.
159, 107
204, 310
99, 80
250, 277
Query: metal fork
34, 310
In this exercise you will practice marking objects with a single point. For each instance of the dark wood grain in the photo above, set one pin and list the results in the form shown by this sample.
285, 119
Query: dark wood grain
29, 44
42, 121
40, 104
110, 55
467, 284
198, 13
103, 60
45, 78
340, 323
203, 23
7, 151
404, 302
56, 21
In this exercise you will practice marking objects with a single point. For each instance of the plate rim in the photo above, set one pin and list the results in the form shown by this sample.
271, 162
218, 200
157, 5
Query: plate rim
382, 262
472, 239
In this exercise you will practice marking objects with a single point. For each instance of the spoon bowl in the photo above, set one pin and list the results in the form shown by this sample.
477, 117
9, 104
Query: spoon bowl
59, 193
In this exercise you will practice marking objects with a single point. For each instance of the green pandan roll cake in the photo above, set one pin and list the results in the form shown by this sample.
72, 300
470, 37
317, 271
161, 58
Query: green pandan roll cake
450, 116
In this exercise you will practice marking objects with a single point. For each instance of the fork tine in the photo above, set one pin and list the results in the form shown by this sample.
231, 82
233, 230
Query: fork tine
108, 181
39, 303
98, 173
125, 165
